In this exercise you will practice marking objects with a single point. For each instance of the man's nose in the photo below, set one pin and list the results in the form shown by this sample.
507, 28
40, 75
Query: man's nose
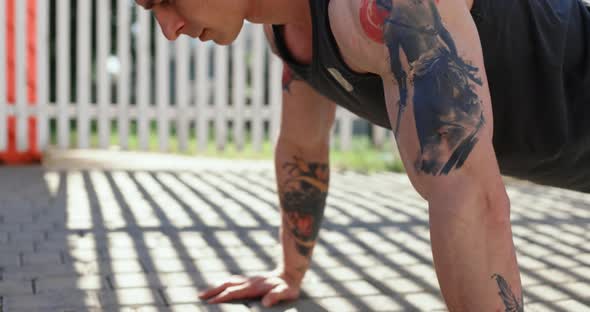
173, 29
171, 23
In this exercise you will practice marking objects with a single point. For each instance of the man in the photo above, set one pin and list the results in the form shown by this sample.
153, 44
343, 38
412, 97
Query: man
417, 67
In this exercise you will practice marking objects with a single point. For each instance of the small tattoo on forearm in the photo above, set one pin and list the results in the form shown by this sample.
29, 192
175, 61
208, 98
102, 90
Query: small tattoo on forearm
511, 302
303, 198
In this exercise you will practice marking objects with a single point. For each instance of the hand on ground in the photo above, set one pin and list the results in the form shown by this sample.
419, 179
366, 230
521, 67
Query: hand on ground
272, 288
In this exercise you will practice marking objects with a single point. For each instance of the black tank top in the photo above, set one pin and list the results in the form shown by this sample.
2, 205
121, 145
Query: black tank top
537, 59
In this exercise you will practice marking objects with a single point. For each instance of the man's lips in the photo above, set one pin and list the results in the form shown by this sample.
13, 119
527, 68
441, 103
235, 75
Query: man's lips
194, 34
204, 34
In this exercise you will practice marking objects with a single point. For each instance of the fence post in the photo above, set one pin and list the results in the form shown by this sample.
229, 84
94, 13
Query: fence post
257, 122
221, 103
63, 73
124, 85
163, 91
182, 92
83, 75
143, 78
21, 40
103, 76
239, 86
379, 136
345, 129
202, 96
42, 73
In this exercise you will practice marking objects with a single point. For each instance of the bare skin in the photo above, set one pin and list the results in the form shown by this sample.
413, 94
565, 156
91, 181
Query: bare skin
429, 57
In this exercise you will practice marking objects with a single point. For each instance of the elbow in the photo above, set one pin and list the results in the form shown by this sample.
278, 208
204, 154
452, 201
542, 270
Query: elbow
297, 145
469, 199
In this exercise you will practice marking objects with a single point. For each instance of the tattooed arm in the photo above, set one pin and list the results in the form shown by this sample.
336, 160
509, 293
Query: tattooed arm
445, 140
302, 171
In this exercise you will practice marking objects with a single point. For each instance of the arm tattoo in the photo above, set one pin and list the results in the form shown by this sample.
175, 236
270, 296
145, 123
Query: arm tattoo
448, 112
288, 77
511, 302
303, 198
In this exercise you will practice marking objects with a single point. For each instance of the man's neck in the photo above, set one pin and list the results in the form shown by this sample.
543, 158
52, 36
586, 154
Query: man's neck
279, 12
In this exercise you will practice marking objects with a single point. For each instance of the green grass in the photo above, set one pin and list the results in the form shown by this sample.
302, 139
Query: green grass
365, 157
362, 157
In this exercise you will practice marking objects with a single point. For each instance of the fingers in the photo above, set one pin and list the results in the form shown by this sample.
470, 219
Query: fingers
236, 280
279, 293
244, 291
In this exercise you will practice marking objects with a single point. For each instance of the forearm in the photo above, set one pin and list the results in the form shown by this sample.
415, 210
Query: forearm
302, 178
473, 251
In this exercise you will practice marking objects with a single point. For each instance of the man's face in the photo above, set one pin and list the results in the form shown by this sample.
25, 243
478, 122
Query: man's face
217, 20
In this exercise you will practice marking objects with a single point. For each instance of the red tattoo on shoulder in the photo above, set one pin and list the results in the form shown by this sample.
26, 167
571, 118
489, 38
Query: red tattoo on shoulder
372, 19
373, 15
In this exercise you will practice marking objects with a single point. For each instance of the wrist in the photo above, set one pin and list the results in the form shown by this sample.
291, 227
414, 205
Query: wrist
293, 276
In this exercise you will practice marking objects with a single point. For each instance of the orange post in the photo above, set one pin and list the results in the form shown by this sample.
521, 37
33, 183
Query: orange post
12, 156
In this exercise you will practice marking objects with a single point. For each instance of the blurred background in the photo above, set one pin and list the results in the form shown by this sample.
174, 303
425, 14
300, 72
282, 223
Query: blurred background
99, 74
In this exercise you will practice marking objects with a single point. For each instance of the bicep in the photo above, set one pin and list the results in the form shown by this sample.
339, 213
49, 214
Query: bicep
307, 116
445, 132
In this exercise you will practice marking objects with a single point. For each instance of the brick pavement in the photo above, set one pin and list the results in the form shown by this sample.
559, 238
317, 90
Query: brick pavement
105, 238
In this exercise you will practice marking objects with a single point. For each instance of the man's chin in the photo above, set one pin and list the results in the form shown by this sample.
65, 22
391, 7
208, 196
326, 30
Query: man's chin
225, 40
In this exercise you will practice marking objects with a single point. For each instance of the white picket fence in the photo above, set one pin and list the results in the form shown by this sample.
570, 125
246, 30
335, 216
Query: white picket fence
195, 88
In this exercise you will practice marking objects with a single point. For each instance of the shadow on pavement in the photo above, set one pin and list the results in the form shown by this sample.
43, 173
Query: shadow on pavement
118, 240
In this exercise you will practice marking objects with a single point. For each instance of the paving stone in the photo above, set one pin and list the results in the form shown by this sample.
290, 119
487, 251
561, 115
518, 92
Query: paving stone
341, 274
403, 285
248, 264
3, 235
585, 258
15, 288
85, 282
534, 250
137, 308
546, 292
555, 276
364, 260
220, 308
130, 297
563, 261
10, 259
531, 263
338, 304
148, 280
582, 272
318, 290
425, 301
381, 303
301, 305
46, 257
538, 307
382, 272
402, 259
527, 279
581, 289
423, 271
53, 301
176, 295
86, 255
573, 306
